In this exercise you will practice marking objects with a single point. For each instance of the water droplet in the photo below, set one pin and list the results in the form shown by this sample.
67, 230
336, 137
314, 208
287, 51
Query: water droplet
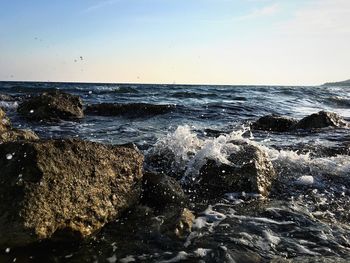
9, 156
31, 111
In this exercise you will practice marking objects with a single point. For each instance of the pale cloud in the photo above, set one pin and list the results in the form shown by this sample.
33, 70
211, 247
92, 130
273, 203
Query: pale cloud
99, 5
262, 12
322, 18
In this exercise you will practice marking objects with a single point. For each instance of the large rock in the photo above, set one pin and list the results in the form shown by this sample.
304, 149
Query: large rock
274, 123
52, 106
129, 109
250, 171
64, 188
7, 133
321, 119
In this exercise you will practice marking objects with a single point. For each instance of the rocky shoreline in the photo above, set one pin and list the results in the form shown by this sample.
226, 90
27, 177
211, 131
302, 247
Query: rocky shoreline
68, 190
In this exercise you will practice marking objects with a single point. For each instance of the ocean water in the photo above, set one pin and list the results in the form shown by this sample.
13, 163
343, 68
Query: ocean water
305, 220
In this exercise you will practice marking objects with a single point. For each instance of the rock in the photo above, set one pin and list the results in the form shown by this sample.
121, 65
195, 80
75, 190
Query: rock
129, 109
17, 135
274, 123
166, 199
160, 191
146, 223
7, 133
5, 123
6, 97
251, 171
321, 119
52, 106
62, 189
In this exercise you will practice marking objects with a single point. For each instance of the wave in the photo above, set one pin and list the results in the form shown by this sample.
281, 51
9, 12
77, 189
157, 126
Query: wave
188, 94
338, 101
187, 153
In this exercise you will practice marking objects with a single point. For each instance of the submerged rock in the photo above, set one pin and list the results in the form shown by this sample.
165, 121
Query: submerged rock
129, 109
62, 189
250, 171
274, 123
52, 106
321, 119
7, 133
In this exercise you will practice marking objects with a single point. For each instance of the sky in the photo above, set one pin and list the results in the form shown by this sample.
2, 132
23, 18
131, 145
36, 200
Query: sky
268, 42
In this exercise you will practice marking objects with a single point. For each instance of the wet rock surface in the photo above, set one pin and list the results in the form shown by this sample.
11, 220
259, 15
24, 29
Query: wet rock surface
160, 191
318, 120
250, 171
321, 119
52, 106
64, 189
129, 109
274, 123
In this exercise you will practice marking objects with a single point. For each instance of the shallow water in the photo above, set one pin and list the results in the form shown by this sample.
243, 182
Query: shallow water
306, 217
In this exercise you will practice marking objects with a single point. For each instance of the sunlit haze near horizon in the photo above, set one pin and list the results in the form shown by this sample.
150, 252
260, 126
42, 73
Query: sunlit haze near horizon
270, 42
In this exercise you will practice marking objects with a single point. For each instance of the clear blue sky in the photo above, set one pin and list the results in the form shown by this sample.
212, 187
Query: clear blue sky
182, 41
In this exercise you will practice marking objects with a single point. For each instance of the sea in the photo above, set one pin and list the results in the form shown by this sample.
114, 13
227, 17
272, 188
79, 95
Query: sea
306, 220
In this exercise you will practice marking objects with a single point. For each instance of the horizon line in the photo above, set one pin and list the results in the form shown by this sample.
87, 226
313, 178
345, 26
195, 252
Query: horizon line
168, 84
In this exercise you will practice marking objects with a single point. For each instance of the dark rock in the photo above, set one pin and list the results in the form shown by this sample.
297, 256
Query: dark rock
160, 191
52, 106
321, 119
130, 109
64, 188
274, 123
146, 223
251, 171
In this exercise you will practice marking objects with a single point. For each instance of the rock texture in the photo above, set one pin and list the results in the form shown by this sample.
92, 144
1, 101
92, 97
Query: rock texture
5, 123
64, 188
160, 191
274, 123
8, 134
52, 106
6, 97
251, 171
130, 109
164, 198
321, 119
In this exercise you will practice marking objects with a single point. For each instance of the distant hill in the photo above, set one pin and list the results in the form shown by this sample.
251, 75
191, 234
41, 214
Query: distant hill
339, 83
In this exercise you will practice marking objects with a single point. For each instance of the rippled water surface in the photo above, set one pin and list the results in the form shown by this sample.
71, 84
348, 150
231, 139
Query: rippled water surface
306, 218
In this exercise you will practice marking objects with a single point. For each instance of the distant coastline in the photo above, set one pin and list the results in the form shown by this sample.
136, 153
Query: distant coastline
339, 83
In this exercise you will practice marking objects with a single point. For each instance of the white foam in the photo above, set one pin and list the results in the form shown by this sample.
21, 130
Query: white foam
201, 252
10, 105
271, 238
182, 255
306, 180
127, 259
112, 259
189, 153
